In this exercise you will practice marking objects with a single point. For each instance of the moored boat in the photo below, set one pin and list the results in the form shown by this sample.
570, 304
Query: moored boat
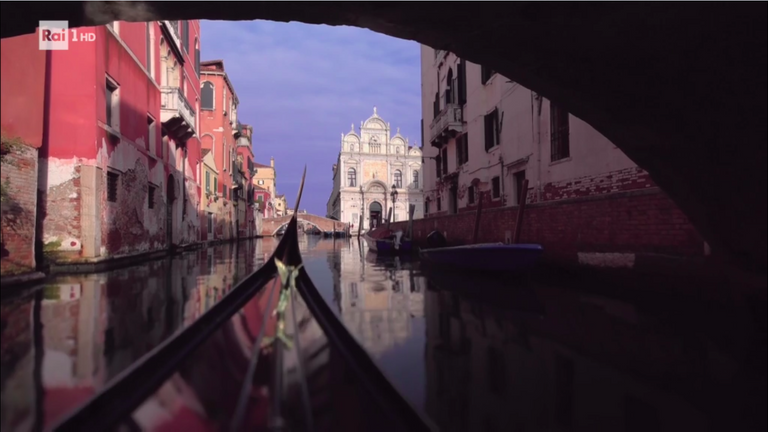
496, 257
384, 241
270, 355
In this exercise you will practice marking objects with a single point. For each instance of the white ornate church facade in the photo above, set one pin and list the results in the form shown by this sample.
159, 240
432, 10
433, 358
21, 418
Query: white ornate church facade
372, 164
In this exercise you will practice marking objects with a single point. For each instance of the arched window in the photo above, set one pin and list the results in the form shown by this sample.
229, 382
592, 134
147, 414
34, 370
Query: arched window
351, 177
415, 179
207, 95
351, 147
398, 179
375, 146
449, 87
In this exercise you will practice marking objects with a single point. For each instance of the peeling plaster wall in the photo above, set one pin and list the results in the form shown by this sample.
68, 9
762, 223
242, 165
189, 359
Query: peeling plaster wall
78, 220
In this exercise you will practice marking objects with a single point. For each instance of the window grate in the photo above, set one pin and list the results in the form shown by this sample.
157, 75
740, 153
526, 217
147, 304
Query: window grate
151, 197
112, 182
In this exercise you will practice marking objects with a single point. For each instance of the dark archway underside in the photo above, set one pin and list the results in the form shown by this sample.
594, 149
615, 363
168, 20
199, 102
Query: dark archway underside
679, 87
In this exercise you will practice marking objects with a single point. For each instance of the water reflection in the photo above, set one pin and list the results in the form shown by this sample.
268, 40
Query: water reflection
92, 327
381, 303
587, 363
532, 356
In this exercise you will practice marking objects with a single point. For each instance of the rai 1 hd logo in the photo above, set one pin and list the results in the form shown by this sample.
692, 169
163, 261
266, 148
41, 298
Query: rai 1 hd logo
56, 35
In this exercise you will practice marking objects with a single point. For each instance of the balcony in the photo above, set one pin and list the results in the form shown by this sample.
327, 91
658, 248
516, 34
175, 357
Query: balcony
177, 116
448, 122
172, 28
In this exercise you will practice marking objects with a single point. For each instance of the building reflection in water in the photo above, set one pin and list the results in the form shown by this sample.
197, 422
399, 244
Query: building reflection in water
377, 298
587, 364
93, 327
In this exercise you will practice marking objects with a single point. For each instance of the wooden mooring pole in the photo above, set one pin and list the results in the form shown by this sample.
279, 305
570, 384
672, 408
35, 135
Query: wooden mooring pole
360, 227
477, 219
520, 211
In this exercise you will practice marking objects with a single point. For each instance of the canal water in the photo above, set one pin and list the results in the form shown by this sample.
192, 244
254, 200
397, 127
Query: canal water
537, 356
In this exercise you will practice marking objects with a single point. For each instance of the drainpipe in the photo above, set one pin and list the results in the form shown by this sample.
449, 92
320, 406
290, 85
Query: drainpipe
184, 185
501, 180
536, 133
538, 144
501, 161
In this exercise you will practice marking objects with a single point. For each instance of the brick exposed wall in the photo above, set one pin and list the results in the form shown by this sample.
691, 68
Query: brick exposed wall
615, 181
641, 221
18, 211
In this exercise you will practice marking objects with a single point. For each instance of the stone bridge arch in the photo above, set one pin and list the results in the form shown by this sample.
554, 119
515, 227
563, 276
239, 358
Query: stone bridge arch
270, 226
684, 102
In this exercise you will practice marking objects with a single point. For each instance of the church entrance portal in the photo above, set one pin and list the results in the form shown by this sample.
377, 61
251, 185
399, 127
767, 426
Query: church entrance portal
374, 215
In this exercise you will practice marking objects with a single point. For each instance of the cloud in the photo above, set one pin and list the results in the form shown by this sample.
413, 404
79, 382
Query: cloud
300, 86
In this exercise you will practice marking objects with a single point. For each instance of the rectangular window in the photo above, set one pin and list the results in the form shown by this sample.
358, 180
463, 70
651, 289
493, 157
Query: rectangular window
559, 132
444, 152
462, 79
519, 178
197, 59
462, 149
471, 195
422, 133
185, 35
112, 182
485, 74
111, 103
210, 222
426, 207
439, 166
151, 197
151, 133
208, 181
491, 121
496, 187
216, 185
439, 204
165, 143
415, 179
148, 48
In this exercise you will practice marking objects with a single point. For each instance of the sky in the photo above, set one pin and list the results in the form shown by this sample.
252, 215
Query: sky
300, 86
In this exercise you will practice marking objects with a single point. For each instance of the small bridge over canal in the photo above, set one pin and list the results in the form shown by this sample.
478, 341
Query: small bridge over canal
269, 226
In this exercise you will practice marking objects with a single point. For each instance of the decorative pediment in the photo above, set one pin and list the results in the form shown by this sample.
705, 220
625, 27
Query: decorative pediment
376, 186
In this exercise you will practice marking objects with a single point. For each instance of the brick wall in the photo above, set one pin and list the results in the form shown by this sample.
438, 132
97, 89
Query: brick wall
610, 182
640, 221
19, 176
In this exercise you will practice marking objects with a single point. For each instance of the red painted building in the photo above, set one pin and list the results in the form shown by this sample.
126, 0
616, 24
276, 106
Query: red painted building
218, 127
23, 95
119, 160
246, 210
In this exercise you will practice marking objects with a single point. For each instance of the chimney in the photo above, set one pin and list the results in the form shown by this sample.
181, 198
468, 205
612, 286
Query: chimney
272, 162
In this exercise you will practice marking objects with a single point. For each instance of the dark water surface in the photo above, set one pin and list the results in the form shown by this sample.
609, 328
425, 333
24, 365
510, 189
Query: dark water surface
539, 357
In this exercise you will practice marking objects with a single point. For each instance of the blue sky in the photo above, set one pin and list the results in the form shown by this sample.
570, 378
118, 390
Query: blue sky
300, 86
